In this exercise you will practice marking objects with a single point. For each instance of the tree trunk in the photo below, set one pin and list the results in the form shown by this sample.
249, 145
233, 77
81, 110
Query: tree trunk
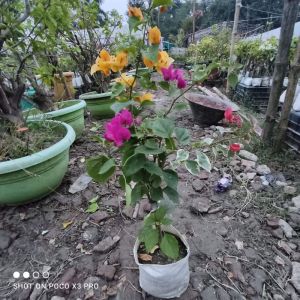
290, 11
288, 101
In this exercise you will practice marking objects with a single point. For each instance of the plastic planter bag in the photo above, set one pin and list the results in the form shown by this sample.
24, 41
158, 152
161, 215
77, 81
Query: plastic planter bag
165, 281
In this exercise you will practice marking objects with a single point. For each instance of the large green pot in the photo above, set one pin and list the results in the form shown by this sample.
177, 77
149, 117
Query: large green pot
32, 177
99, 104
70, 112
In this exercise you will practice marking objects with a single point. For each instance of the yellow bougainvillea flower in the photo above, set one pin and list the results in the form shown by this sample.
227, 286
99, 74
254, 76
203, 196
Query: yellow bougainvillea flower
119, 62
135, 12
154, 36
164, 61
128, 81
102, 64
147, 62
144, 97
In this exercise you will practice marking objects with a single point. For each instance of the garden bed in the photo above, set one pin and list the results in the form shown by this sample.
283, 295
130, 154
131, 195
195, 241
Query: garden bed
234, 252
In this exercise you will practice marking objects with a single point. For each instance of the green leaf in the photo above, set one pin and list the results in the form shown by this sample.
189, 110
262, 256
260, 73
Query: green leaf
192, 166
133, 164
170, 144
93, 207
233, 80
163, 127
180, 106
117, 89
150, 237
95, 165
164, 85
153, 168
156, 194
118, 106
136, 193
147, 83
151, 53
159, 213
171, 194
150, 147
107, 166
155, 181
169, 246
203, 161
128, 191
133, 23
182, 136
182, 155
171, 178
157, 3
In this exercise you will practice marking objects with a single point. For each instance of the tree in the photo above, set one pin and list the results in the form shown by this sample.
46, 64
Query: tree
289, 17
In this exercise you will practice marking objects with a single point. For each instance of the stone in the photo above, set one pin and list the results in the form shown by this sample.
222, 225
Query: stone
248, 155
296, 201
285, 246
144, 208
287, 229
37, 291
80, 184
241, 177
258, 280
289, 190
114, 257
200, 205
277, 233
295, 218
222, 231
128, 211
245, 214
198, 185
250, 176
203, 175
67, 278
57, 298
91, 235
248, 163
280, 183
113, 202
5, 239
295, 280
277, 297
209, 294
106, 271
214, 210
233, 193
273, 222
222, 294
263, 170
107, 244
99, 216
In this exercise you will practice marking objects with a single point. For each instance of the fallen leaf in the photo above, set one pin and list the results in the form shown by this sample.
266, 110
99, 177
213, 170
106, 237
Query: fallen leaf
154, 249
22, 129
66, 224
82, 160
239, 245
145, 257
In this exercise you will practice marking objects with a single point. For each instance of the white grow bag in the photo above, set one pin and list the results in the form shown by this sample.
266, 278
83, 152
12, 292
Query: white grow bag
165, 281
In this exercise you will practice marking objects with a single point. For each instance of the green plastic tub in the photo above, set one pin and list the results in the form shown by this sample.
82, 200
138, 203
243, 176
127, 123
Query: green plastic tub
33, 177
99, 104
70, 112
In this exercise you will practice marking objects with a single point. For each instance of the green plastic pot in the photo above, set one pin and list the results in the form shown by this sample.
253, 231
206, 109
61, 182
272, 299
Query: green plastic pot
99, 104
33, 177
71, 112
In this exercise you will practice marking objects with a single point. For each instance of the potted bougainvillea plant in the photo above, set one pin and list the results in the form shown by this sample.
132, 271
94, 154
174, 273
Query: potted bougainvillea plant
144, 167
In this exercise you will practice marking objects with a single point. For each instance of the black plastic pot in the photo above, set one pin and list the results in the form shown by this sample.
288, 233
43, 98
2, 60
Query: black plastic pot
206, 110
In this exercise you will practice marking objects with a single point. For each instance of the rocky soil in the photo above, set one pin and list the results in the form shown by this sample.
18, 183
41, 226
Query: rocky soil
244, 242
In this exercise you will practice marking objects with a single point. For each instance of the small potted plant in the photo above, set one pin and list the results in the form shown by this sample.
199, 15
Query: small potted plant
139, 151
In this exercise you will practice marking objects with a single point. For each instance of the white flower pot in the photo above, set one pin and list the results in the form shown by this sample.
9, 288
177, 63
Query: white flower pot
247, 81
165, 281
265, 81
256, 81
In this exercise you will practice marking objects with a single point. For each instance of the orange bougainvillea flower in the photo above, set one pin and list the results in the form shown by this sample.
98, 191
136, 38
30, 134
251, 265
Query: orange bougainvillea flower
154, 36
119, 62
128, 81
102, 64
147, 62
22, 129
163, 9
164, 61
144, 97
135, 12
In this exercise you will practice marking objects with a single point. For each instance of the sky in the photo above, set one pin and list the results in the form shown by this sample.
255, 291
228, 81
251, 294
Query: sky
119, 5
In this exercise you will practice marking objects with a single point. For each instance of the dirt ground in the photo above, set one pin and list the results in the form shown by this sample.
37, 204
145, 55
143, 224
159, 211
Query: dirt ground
239, 247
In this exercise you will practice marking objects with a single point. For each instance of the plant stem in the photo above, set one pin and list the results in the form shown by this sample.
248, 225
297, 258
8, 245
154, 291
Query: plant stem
174, 101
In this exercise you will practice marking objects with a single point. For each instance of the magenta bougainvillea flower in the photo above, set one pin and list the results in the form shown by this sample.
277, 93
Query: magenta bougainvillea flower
117, 131
171, 74
235, 147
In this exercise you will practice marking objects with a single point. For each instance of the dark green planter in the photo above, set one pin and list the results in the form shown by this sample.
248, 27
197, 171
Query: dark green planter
99, 104
71, 112
33, 177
